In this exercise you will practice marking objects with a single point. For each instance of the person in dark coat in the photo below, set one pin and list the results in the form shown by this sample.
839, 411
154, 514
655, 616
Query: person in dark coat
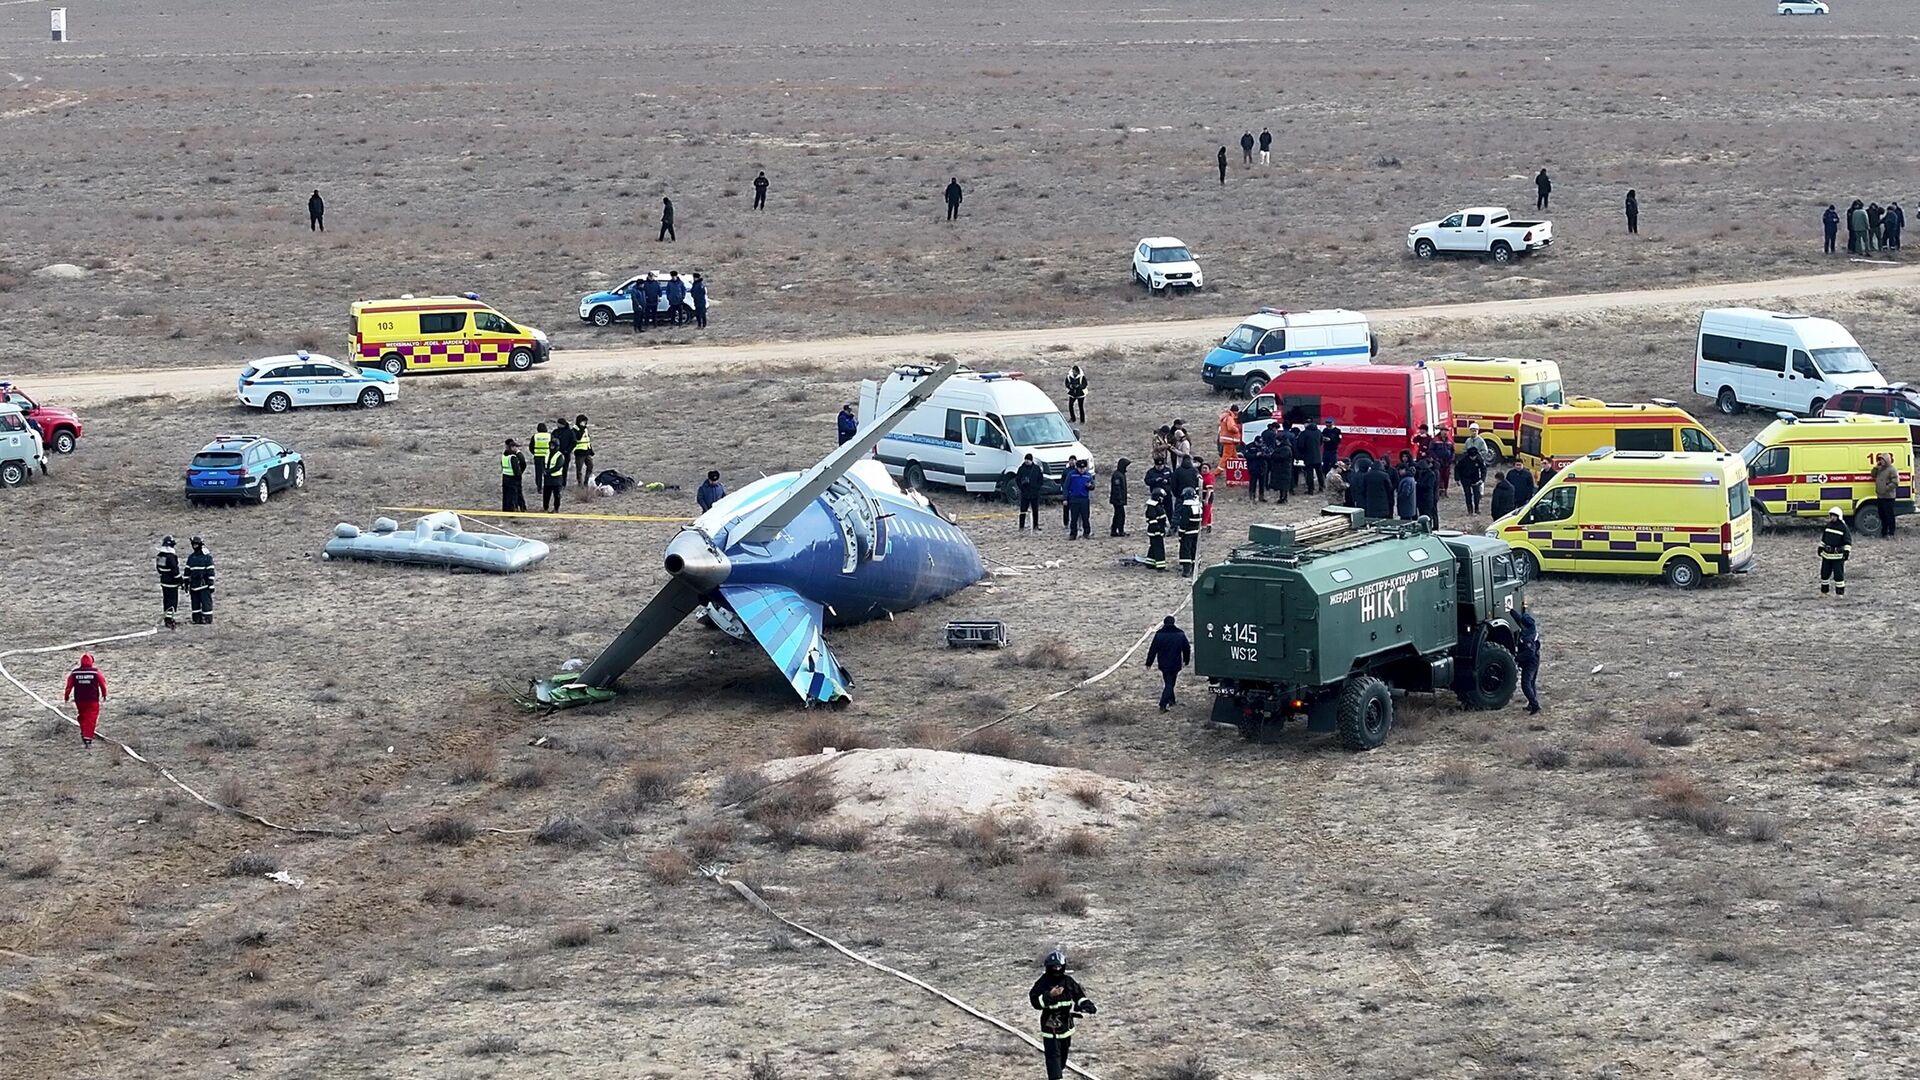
666, 221
1077, 490
1185, 475
1307, 450
1892, 224
1406, 503
1443, 456
1329, 448
1871, 241
1836, 545
676, 298
650, 299
1170, 651
1266, 147
200, 574
1246, 148
1157, 503
1471, 471
699, 294
710, 492
1528, 655
760, 191
1856, 228
513, 469
1159, 477
1279, 463
849, 425
1426, 490
1544, 185
1376, 491
1257, 452
1117, 498
1503, 503
1031, 479
1633, 212
1547, 472
1061, 1002
316, 212
953, 194
1522, 483
1830, 225
1223, 166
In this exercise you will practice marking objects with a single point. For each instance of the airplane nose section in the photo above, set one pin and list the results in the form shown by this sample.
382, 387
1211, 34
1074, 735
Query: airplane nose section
692, 558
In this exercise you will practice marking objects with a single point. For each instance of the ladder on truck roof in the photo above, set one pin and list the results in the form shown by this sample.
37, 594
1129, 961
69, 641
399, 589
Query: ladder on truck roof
1342, 528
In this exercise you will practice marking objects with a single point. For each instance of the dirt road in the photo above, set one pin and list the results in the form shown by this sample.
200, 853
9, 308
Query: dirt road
864, 351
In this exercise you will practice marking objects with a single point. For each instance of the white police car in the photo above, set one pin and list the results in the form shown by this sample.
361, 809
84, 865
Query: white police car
613, 305
279, 383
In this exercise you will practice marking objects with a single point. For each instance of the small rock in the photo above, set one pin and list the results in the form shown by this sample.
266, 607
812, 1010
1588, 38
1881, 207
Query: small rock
61, 272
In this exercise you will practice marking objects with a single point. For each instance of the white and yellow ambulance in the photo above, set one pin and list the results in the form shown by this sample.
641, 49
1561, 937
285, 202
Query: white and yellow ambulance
1805, 467
1492, 390
1580, 425
441, 333
1682, 516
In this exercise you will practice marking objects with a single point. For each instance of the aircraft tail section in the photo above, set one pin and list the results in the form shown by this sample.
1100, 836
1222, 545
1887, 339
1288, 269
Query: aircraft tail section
788, 626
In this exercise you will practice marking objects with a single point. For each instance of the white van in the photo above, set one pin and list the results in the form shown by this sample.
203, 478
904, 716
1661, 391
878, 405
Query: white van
973, 432
1773, 360
1271, 340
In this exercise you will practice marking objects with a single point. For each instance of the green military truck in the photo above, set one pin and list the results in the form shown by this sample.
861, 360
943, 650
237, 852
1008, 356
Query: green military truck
1326, 619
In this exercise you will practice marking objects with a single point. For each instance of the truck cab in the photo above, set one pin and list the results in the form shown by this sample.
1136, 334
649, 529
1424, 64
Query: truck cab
21, 451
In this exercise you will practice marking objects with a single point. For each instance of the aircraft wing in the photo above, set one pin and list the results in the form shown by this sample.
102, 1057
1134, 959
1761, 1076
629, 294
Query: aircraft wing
787, 626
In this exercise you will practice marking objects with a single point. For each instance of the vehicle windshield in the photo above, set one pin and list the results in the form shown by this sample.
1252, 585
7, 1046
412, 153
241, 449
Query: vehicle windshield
1243, 338
1542, 393
1851, 360
1168, 254
1753, 450
1039, 429
216, 459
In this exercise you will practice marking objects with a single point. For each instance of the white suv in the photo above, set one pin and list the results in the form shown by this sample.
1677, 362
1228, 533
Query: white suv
1163, 263
1803, 7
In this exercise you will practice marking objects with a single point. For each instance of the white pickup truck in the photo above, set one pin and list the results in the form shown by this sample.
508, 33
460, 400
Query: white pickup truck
1487, 231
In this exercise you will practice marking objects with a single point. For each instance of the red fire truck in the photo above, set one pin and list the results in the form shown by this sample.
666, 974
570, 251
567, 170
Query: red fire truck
1379, 408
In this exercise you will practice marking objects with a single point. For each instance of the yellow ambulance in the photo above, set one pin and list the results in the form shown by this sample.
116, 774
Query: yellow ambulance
1681, 516
1805, 467
441, 333
1579, 426
1491, 391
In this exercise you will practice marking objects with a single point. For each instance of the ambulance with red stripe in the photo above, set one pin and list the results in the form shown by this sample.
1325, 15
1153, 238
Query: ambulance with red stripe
1491, 391
1681, 517
1378, 408
1580, 425
1805, 467
441, 333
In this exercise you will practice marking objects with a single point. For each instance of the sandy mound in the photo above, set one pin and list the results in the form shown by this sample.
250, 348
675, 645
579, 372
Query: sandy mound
61, 272
897, 786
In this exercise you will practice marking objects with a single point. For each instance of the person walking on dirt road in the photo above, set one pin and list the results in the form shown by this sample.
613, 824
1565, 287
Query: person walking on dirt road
1544, 185
666, 221
1170, 652
316, 212
1830, 225
1633, 212
1061, 1002
86, 688
1246, 148
1223, 166
954, 194
760, 191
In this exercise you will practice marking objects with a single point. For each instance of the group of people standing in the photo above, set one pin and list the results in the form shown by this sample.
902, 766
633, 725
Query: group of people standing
686, 301
1280, 458
555, 453
1870, 227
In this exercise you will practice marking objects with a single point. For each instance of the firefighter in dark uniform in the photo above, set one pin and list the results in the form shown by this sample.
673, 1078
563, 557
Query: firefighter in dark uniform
1836, 543
200, 582
1061, 1002
582, 449
553, 479
167, 565
513, 466
1189, 514
1157, 528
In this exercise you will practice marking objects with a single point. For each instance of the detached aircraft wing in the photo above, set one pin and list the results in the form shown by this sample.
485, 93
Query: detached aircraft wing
788, 626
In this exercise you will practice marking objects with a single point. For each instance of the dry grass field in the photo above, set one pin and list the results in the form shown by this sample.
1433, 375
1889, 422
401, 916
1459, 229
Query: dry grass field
1695, 863
522, 151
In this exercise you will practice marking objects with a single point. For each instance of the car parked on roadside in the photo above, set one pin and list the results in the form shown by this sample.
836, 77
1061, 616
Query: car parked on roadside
243, 468
279, 383
59, 428
611, 306
1163, 264
1897, 402
1803, 7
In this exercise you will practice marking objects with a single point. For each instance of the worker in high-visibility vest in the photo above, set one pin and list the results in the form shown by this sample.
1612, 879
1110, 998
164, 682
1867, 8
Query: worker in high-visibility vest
538, 446
554, 480
513, 466
582, 449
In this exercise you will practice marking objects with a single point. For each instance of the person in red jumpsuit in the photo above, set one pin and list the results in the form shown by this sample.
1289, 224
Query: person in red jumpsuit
87, 688
1206, 498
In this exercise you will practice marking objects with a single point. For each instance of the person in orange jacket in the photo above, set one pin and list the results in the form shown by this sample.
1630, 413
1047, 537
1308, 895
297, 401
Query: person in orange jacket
1230, 433
87, 688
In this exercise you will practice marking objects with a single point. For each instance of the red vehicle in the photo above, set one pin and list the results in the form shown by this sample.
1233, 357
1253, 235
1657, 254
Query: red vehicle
59, 428
1379, 407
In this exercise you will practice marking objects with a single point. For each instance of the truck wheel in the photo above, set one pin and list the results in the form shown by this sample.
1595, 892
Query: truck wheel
1007, 490
1682, 573
1816, 406
1501, 253
1423, 249
1358, 457
601, 316
914, 476
63, 442
1253, 384
1489, 678
1866, 520
1726, 402
1365, 713
12, 474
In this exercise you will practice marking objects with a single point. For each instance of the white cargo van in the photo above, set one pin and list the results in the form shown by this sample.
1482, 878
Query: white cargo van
1773, 360
1272, 340
973, 432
